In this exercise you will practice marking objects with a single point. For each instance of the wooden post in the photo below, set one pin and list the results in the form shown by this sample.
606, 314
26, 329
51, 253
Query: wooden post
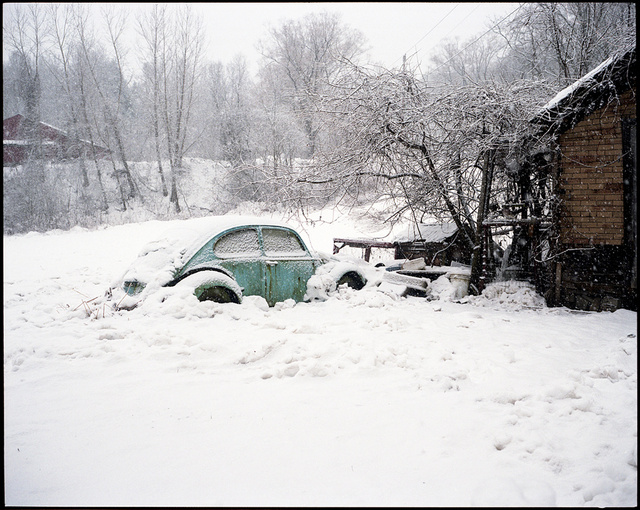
558, 289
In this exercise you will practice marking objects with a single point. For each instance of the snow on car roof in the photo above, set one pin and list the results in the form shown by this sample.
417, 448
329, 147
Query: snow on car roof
158, 259
200, 230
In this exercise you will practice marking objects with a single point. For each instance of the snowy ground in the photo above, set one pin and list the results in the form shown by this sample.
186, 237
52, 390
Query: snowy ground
364, 399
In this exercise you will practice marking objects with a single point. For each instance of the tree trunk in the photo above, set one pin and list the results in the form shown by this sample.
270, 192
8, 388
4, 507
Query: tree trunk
156, 133
85, 118
123, 159
476, 282
122, 196
174, 191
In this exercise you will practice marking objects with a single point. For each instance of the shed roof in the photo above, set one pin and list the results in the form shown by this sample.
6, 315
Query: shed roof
429, 232
594, 90
13, 129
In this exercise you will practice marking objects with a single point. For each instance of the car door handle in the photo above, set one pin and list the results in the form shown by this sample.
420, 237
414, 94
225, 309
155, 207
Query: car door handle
272, 263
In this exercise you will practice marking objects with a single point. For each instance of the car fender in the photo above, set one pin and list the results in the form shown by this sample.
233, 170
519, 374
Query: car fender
339, 269
326, 277
197, 269
209, 280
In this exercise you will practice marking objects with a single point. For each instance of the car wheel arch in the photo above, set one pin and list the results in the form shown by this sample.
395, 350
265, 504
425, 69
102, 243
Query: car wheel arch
199, 270
213, 285
353, 279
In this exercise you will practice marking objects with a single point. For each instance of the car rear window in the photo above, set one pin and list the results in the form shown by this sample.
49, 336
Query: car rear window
283, 243
239, 243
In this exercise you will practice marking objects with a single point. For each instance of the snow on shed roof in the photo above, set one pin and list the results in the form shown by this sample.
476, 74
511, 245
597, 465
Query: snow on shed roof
429, 232
568, 91
615, 75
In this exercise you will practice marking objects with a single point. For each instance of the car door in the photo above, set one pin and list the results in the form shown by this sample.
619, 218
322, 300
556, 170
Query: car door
239, 252
288, 265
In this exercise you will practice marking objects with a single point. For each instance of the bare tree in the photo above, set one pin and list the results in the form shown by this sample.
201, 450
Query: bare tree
561, 42
152, 29
102, 92
180, 68
83, 91
23, 33
439, 153
115, 23
555, 42
236, 128
29, 201
458, 62
215, 86
61, 19
306, 54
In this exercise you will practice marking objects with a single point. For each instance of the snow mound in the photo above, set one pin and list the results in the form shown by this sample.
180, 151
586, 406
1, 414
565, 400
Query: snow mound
320, 287
509, 295
442, 289
367, 398
324, 282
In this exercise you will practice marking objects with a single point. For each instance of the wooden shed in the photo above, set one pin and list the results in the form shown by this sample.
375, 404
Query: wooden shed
438, 244
22, 139
594, 126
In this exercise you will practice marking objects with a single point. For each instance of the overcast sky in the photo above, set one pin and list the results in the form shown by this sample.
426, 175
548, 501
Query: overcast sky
391, 28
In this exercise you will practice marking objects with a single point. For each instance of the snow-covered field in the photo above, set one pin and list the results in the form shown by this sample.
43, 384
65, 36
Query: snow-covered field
364, 399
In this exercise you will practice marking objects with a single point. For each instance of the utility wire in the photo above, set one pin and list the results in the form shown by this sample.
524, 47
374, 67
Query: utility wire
432, 29
462, 20
476, 40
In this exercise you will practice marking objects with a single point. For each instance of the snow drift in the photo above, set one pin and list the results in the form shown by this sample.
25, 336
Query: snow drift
361, 398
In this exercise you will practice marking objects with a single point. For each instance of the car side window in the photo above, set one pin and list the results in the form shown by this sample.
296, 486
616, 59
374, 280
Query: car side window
239, 243
282, 243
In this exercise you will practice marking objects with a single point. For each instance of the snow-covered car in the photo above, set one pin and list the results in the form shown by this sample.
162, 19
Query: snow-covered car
224, 258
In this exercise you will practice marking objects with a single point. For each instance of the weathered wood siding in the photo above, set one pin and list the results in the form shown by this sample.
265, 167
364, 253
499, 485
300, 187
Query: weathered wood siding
593, 216
591, 177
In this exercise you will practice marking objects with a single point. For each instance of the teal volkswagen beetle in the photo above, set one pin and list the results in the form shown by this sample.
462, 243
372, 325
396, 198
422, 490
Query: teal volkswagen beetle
224, 258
